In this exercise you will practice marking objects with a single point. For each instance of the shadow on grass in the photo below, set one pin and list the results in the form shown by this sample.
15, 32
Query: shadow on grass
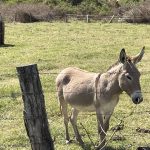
89, 147
7, 45
111, 148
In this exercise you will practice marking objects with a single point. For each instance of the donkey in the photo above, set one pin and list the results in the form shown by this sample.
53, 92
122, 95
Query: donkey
87, 91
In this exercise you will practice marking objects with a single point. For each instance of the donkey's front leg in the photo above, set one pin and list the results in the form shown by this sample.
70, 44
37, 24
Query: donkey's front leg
101, 129
106, 121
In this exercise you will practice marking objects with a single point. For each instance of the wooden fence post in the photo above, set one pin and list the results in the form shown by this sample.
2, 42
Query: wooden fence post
2, 29
35, 117
87, 19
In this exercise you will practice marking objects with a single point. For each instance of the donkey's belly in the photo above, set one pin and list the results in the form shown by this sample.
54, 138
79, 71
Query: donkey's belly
80, 96
89, 108
82, 101
79, 99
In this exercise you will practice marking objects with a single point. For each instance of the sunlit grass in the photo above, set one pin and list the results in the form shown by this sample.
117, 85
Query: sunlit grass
54, 46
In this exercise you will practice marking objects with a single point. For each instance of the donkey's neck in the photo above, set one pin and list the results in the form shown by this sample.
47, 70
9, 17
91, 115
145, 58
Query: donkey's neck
109, 81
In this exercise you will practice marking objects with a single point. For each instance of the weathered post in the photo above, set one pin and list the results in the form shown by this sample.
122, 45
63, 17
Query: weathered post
87, 19
2, 28
35, 117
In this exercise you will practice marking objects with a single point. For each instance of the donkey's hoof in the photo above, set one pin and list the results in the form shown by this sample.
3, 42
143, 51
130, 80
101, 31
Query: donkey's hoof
81, 143
68, 141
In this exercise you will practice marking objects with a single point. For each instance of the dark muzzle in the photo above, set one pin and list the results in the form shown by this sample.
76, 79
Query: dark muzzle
137, 100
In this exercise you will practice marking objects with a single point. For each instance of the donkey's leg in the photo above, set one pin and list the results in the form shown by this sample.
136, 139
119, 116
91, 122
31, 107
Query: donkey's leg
73, 120
66, 121
106, 121
64, 111
101, 129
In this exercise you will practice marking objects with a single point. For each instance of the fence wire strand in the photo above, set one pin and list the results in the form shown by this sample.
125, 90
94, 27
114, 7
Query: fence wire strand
118, 121
56, 73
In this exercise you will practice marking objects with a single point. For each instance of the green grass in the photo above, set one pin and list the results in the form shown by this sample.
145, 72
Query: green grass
54, 46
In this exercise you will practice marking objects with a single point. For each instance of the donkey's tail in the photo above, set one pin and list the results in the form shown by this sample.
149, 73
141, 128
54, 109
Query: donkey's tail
59, 90
60, 97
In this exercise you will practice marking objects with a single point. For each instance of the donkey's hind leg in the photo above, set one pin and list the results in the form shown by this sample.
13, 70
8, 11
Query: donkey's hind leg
73, 120
64, 112
66, 121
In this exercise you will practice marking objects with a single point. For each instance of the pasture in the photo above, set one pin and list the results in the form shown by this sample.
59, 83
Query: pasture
54, 46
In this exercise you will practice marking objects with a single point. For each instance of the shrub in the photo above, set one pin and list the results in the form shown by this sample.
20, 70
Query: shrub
56, 9
25, 12
24, 17
138, 14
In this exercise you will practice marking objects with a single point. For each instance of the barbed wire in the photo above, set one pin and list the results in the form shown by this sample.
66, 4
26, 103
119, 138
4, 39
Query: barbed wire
56, 73
83, 114
14, 95
120, 120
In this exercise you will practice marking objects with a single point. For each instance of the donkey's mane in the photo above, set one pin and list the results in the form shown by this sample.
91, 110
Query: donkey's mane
128, 59
113, 65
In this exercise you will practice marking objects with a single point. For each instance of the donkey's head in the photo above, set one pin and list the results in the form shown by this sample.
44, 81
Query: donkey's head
129, 78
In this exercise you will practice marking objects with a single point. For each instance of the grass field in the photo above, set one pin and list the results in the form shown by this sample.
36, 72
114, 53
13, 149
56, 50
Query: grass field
54, 46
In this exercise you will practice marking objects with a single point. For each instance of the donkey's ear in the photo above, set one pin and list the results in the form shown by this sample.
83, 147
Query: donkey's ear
138, 57
123, 56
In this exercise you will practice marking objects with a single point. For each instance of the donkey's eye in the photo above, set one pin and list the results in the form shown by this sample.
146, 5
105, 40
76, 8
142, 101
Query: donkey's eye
129, 77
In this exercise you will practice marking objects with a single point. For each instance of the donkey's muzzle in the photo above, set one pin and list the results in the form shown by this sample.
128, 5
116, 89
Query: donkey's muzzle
137, 100
137, 97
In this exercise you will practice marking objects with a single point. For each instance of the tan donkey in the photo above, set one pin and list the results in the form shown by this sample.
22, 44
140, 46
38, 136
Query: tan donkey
86, 91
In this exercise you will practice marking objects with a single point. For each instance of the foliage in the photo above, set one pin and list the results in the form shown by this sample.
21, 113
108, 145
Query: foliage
89, 4
138, 13
47, 10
